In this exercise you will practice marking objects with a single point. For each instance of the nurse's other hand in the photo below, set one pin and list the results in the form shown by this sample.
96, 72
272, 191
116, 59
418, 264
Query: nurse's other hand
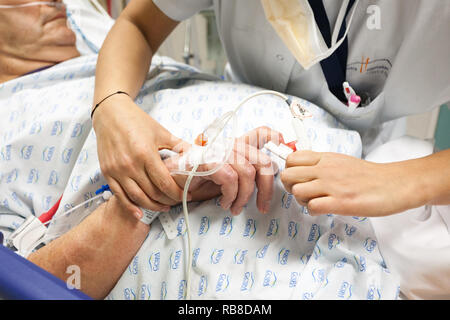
340, 184
128, 141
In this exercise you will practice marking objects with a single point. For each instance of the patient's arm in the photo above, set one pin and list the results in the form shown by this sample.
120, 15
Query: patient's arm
102, 246
104, 243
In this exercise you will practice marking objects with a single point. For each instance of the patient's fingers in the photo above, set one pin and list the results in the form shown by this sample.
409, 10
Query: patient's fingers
246, 182
247, 147
206, 191
265, 172
227, 179
259, 159
260, 136
264, 182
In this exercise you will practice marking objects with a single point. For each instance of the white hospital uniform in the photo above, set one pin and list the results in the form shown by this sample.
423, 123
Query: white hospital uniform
403, 66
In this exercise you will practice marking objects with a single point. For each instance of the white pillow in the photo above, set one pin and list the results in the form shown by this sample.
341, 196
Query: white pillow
90, 22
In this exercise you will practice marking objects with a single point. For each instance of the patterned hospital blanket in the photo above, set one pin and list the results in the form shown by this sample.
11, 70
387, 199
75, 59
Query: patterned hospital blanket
48, 148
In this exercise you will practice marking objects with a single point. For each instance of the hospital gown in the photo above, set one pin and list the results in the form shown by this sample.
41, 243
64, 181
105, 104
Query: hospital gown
48, 150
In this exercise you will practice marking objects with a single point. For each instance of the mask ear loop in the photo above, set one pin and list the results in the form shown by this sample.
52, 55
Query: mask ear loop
340, 20
334, 42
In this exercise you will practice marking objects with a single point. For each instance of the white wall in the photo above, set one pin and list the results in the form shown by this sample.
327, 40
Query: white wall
423, 125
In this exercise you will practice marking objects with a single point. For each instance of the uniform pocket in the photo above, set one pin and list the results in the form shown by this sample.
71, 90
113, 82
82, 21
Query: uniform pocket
360, 119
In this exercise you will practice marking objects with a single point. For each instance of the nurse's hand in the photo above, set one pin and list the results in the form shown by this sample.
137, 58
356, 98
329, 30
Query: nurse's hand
340, 184
128, 141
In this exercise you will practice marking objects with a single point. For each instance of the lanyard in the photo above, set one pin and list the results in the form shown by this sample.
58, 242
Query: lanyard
335, 66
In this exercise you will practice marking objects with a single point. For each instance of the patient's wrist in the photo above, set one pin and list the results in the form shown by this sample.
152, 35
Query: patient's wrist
116, 216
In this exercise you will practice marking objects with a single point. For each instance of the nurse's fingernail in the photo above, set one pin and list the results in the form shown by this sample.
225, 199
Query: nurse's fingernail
265, 209
138, 214
225, 206
267, 206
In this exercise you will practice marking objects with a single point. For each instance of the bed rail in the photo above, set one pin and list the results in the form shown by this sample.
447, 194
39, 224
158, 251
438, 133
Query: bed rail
20, 279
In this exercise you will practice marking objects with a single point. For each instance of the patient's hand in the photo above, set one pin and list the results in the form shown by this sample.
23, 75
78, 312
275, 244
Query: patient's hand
235, 181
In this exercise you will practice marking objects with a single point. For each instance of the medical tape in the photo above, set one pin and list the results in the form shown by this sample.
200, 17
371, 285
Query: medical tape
25, 238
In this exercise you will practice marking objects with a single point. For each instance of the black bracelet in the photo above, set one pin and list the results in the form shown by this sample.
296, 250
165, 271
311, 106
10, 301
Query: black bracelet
98, 104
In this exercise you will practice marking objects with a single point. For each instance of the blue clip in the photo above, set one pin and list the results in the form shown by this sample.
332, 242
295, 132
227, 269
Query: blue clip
103, 189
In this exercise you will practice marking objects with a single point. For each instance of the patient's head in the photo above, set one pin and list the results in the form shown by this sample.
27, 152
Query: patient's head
33, 37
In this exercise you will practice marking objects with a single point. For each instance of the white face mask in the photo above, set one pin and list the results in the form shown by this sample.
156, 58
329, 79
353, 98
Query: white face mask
294, 22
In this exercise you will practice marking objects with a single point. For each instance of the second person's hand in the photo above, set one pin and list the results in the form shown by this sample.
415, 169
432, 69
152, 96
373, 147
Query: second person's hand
128, 141
335, 183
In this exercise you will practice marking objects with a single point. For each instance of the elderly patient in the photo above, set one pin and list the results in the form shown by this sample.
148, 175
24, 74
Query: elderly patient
37, 37
32, 38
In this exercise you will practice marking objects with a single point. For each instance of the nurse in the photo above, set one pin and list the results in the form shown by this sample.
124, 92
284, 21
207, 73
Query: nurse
393, 55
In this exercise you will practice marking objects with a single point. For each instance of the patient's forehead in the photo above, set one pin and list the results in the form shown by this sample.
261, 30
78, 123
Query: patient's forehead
18, 2
13, 2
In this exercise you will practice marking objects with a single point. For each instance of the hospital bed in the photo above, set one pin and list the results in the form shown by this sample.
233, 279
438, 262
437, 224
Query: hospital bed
90, 34
22, 280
